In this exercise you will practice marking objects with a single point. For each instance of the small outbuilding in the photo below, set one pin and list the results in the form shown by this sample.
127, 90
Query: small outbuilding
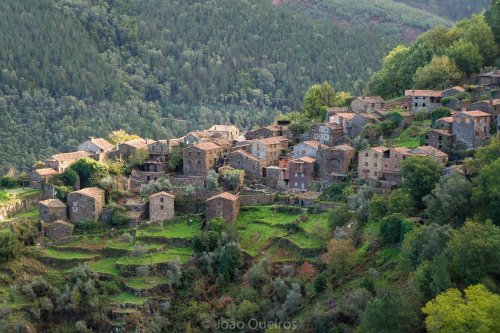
52, 210
161, 207
225, 205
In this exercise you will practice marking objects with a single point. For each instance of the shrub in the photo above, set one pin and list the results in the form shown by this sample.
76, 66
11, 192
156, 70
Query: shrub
290, 210
393, 228
127, 238
320, 282
87, 227
340, 216
9, 246
9, 182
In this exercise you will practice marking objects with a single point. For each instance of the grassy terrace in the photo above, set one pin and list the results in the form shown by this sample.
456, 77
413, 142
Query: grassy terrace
105, 266
11, 194
178, 230
410, 137
255, 236
145, 282
127, 298
181, 253
67, 255
265, 214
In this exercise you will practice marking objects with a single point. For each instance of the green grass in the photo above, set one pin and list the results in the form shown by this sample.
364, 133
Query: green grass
105, 266
32, 214
181, 253
410, 137
127, 298
5, 196
279, 254
67, 255
145, 282
254, 236
313, 219
304, 241
178, 230
265, 214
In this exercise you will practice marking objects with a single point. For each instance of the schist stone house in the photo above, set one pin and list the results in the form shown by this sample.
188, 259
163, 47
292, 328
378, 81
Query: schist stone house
307, 148
491, 106
335, 162
439, 138
40, 177
225, 205
343, 119
275, 177
384, 164
52, 210
367, 104
161, 207
489, 80
325, 133
232, 132
201, 158
268, 132
159, 150
453, 91
96, 146
471, 128
445, 123
86, 204
252, 165
301, 173
426, 100
269, 149
60, 162
128, 147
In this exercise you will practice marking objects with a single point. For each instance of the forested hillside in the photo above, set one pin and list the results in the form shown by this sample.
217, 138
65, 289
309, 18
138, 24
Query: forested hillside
70, 69
452, 9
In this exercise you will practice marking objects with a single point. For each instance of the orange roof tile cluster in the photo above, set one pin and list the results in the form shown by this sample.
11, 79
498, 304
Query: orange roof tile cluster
138, 143
476, 113
46, 172
102, 143
446, 119
225, 195
424, 93
207, 145
90, 192
313, 143
273, 140
53, 203
163, 193
73, 156
428, 151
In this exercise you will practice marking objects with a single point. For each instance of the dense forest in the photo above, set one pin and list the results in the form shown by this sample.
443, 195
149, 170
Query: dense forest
71, 69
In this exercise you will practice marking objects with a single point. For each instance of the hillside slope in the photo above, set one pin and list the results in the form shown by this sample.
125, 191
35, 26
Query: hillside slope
72, 68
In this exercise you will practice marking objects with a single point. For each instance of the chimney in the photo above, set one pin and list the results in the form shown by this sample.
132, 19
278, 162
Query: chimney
464, 109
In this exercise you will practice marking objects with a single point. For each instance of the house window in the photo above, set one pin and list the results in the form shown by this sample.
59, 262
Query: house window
366, 154
161, 199
366, 163
416, 104
161, 207
375, 164
467, 120
423, 105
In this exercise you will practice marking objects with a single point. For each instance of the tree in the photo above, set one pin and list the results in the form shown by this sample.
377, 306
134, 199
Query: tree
420, 175
477, 310
340, 216
139, 157
230, 261
440, 73
474, 252
9, 246
439, 113
493, 18
317, 98
232, 178
449, 202
390, 313
212, 181
393, 228
486, 192
424, 244
484, 156
90, 171
341, 256
432, 277
120, 136
175, 159
466, 56
478, 32
359, 202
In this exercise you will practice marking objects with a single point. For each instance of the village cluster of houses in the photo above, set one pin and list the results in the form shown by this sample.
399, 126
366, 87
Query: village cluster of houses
320, 156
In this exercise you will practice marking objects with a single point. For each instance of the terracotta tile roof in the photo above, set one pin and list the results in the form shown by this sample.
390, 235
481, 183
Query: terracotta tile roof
476, 113
380, 149
459, 88
134, 202
73, 156
53, 203
428, 151
90, 192
102, 143
336, 109
163, 193
224, 195
306, 159
138, 143
273, 140
346, 115
446, 119
426, 93
207, 145
310, 195
247, 154
313, 143
495, 101
441, 131
331, 125
401, 150
46, 172
371, 99
343, 147
223, 128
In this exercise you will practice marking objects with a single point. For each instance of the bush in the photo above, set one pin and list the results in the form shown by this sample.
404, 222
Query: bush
393, 228
320, 282
340, 216
9, 182
9, 246
290, 210
87, 227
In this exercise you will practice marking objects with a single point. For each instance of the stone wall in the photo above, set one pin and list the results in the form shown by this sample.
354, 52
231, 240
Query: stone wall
254, 199
14, 206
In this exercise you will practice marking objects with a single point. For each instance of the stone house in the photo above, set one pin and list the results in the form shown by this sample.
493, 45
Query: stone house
252, 165
438, 138
58, 230
60, 162
343, 119
275, 177
429, 151
138, 206
268, 132
302, 172
225, 205
370, 162
453, 91
96, 146
269, 149
426, 100
159, 150
309, 199
202, 157
489, 80
326, 133
161, 207
307, 148
367, 104
471, 128
230, 131
127, 148
86, 204
40, 177
335, 161
360, 120
52, 210
491, 106
445, 124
